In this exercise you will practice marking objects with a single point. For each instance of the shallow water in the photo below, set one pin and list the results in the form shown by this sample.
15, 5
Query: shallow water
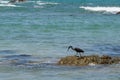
44, 29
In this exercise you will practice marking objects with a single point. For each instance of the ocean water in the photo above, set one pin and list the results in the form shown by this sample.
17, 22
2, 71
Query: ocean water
35, 34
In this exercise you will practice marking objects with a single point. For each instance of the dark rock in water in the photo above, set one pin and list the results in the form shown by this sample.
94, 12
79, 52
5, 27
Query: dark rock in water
87, 60
25, 55
14, 1
8, 51
118, 13
21, 56
21, 0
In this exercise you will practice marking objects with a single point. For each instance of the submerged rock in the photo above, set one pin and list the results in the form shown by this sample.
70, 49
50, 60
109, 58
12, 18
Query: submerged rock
14, 1
88, 60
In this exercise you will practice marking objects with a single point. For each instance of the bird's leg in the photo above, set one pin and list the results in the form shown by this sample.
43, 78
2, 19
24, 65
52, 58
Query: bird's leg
80, 54
76, 54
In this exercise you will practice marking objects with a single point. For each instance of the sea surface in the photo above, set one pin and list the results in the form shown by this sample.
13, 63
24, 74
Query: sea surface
35, 34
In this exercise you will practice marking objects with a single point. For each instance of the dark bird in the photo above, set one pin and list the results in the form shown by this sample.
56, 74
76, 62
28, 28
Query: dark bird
77, 50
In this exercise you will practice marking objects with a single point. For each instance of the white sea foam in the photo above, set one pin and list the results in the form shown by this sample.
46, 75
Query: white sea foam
91, 64
49, 60
36, 6
102, 9
46, 3
10, 5
4, 2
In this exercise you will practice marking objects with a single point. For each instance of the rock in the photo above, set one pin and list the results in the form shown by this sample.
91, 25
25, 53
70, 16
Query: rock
14, 1
106, 57
88, 60
118, 13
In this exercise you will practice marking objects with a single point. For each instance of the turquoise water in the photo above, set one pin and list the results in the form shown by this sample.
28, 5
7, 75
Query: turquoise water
44, 29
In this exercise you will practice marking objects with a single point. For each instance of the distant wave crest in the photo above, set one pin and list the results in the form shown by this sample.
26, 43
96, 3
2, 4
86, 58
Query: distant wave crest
10, 5
102, 9
46, 3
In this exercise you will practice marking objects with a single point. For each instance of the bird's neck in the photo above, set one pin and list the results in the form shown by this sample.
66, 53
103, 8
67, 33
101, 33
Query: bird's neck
72, 48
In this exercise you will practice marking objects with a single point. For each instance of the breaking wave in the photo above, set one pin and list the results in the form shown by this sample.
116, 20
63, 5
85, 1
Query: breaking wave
7, 4
113, 10
36, 4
